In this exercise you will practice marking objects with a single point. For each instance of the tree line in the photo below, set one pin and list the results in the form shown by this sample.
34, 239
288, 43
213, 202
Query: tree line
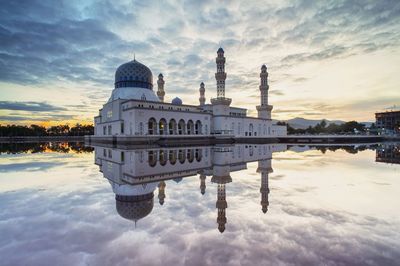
351, 127
36, 130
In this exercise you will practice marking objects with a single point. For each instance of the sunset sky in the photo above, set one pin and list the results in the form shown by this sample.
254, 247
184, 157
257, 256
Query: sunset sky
326, 59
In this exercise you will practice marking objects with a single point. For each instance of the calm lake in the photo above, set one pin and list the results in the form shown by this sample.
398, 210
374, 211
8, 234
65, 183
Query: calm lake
272, 204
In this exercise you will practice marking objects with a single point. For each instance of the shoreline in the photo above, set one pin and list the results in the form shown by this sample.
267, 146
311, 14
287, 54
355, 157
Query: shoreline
204, 140
20, 139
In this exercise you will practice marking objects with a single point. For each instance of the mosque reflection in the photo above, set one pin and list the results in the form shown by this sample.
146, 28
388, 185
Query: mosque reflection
135, 174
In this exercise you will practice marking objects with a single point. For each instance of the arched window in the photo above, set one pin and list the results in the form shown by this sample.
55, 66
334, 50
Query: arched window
250, 129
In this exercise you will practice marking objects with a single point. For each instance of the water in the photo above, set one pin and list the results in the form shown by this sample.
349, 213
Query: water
66, 204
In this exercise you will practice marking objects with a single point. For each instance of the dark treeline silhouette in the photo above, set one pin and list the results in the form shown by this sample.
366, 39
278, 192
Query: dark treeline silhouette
352, 127
35, 130
61, 147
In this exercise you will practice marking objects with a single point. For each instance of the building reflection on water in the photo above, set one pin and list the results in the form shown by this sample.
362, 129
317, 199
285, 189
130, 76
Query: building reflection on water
388, 153
135, 174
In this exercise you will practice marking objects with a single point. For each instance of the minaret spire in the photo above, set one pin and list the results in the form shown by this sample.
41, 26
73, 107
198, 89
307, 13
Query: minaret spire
220, 76
160, 91
264, 110
202, 98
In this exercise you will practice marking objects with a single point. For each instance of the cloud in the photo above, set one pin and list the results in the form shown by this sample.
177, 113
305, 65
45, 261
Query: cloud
29, 166
30, 106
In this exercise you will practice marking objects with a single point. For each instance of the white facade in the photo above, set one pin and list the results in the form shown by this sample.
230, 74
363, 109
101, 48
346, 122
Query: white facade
134, 109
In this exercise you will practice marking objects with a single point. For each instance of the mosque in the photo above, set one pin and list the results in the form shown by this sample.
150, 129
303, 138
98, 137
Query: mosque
134, 111
135, 175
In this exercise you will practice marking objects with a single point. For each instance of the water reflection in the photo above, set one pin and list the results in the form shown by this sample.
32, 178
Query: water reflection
40, 147
388, 153
135, 174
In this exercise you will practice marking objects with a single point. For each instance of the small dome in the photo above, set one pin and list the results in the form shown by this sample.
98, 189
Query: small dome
160, 75
220, 50
263, 67
134, 207
134, 74
177, 101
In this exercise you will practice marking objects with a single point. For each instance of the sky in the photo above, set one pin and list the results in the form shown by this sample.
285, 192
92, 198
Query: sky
326, 59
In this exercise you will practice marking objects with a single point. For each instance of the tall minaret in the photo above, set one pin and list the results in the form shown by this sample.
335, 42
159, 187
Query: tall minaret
220, 76
161, 192
202, 98
264, 167
160, 91
264, 110
202, 183
220, 105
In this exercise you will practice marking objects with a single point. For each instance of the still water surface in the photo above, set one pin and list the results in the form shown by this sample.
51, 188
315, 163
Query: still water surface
66, 204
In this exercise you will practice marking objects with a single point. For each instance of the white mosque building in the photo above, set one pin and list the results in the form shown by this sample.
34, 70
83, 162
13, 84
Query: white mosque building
134, 111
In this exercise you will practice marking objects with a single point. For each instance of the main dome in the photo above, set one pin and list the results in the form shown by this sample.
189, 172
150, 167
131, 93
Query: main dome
133, 74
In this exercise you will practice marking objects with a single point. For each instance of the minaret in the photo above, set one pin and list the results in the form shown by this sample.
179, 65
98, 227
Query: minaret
264, 167
161, 192
160, 91
264, 110
220, 76
202, 184
220, 105
202, 98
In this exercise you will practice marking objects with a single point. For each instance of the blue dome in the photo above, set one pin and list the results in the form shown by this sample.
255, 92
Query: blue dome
177, 101
134, 74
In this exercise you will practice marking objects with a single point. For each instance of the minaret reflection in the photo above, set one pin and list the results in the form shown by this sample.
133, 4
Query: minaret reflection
221, 176
264, 167
161, 192
202, 183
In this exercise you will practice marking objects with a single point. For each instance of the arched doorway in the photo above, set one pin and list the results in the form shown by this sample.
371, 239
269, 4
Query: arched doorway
197, 128
190, 127
152, 126
162, 157
181, 127
172, 127
152, 157
162, 127
181, 156
172, 157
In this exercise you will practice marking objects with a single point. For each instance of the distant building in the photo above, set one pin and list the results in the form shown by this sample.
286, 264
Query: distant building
388, 122
134, 110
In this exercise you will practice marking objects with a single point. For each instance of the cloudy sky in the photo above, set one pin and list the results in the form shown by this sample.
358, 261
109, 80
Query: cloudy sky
326, 59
